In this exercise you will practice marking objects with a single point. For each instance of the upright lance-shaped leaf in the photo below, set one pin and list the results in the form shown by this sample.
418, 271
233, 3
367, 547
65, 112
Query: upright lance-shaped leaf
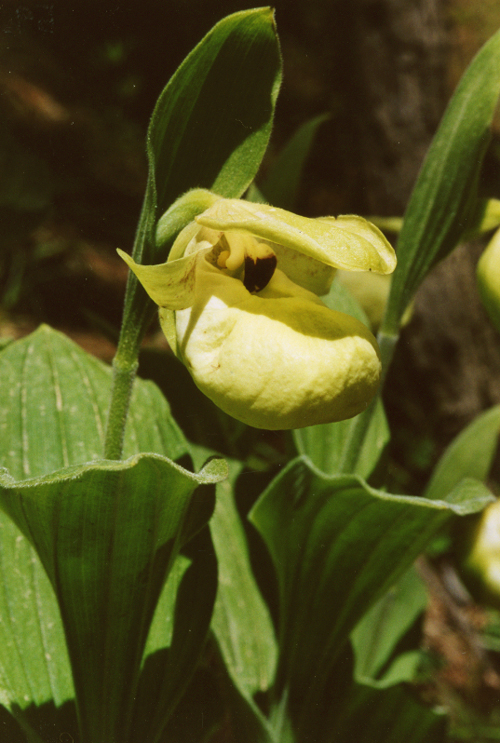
212, 122
444, 198
337, 545
470, 454
107, 533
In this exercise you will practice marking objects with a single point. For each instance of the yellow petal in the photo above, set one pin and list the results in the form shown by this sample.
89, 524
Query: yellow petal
350, 243
168, 284
480, 564
488, 279
304, 271
277, 360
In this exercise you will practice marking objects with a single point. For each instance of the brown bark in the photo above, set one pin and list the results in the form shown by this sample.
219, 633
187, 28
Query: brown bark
448, 363
400, 97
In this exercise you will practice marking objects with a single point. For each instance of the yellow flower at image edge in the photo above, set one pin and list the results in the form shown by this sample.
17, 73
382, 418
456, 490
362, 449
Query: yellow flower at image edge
239, 305
488, 279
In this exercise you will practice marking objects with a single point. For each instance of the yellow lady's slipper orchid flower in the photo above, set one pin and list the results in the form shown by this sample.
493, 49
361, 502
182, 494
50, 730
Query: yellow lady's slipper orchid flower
239, 305
479, 555
488, 279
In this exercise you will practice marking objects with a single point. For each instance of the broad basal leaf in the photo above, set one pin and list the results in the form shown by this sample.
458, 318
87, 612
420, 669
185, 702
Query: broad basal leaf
107, 533
35, 674
175, 641
54, 405
337, 545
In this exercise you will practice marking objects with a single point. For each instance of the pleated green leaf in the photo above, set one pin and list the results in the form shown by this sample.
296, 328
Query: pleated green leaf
175, 641
107, 534
54, 405
337, 545
35, 675
443, 202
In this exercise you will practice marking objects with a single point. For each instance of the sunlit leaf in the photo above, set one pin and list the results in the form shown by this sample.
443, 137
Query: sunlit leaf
107, 533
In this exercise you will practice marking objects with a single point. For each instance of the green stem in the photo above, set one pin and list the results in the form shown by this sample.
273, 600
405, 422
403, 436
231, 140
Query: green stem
123, 382
138, 313
387, 344
138, 308
359, 426
354, 440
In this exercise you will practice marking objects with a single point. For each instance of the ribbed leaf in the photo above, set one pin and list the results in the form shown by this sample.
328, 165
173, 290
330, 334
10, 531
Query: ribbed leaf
107, 533
35, 675
55, 399
337, 545
175, 641
444, 198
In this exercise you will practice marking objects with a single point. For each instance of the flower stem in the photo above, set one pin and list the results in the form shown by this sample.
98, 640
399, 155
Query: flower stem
139, 309
138, 313
123, 382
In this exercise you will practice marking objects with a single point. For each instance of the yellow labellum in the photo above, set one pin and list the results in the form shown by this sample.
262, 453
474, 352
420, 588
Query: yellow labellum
239, 305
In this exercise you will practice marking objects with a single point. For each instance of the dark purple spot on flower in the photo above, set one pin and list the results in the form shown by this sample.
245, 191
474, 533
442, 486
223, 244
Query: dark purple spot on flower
258, 272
